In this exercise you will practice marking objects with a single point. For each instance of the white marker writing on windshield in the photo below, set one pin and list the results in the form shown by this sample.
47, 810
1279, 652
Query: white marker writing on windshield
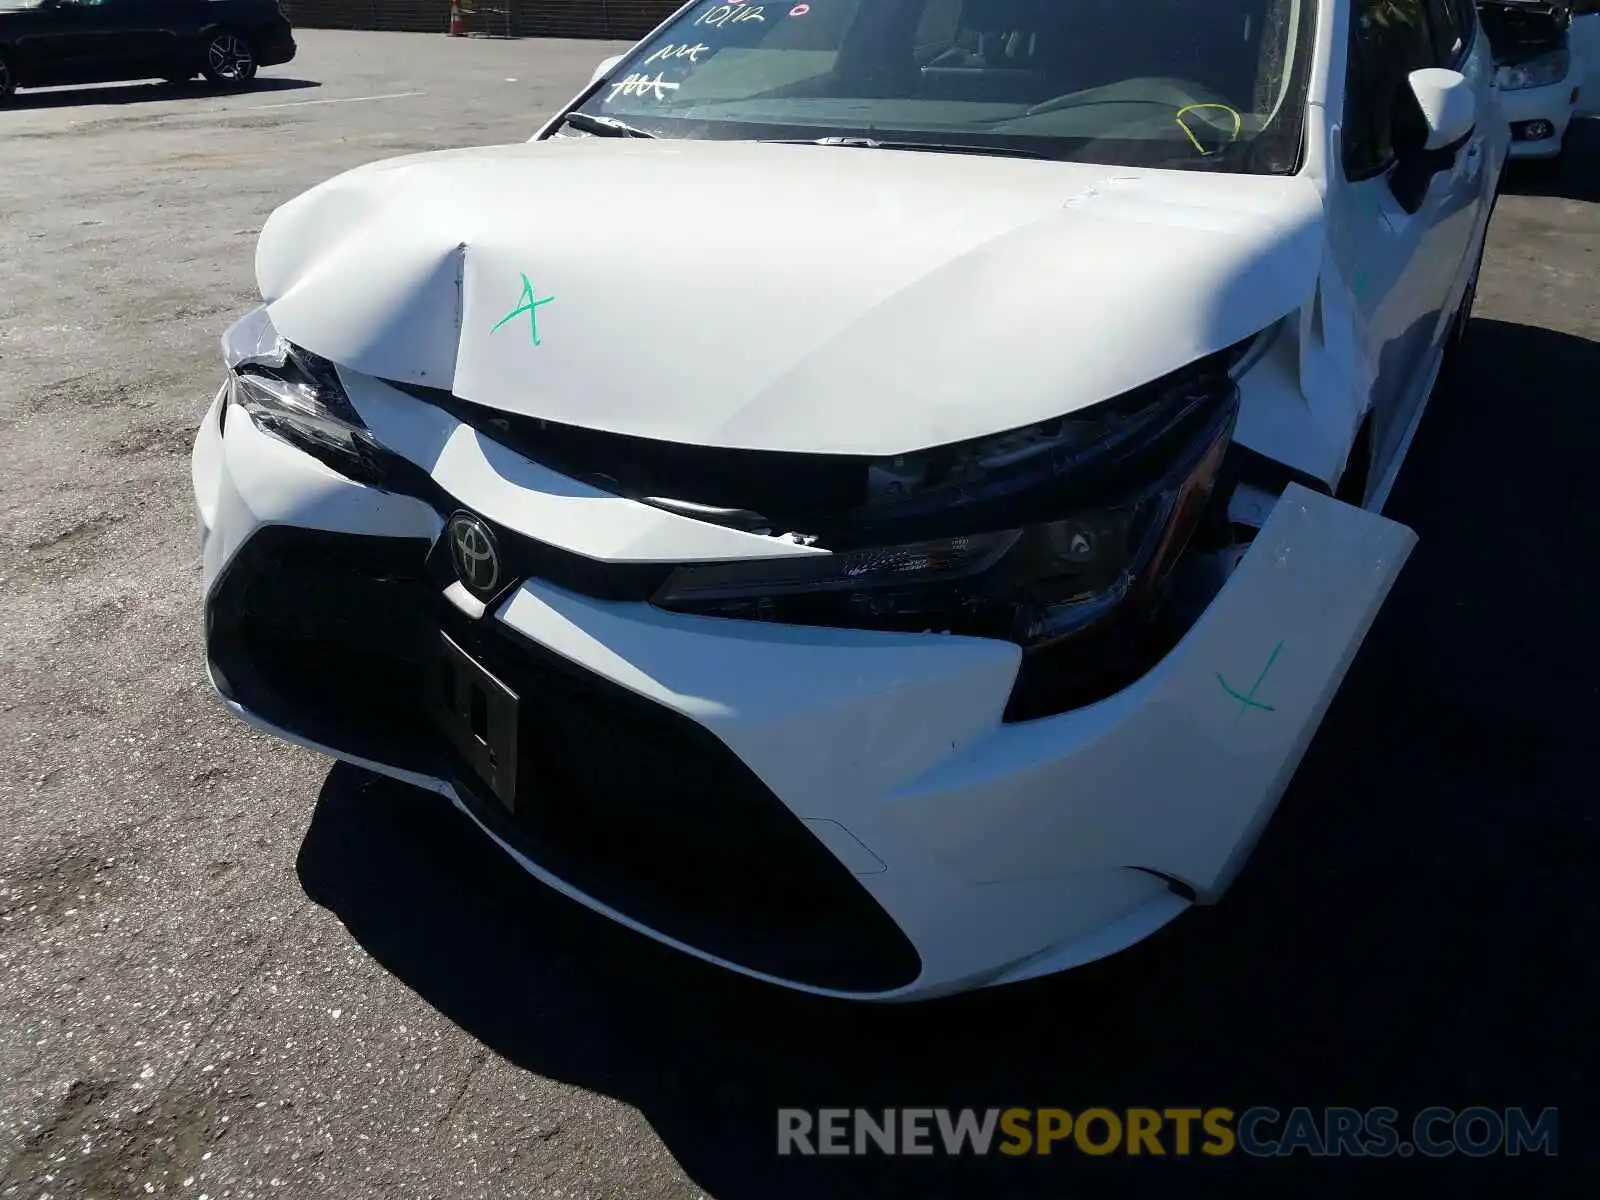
731, 14
641, 85
692, 53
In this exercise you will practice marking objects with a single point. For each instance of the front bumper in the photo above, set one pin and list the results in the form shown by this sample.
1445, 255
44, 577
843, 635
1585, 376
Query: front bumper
1527, 109
843, 812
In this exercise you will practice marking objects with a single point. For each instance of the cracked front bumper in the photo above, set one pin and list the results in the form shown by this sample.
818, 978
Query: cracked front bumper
924, 845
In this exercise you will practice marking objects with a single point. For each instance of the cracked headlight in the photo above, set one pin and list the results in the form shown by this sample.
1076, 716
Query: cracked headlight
296, 396
1535, 72
1037, 536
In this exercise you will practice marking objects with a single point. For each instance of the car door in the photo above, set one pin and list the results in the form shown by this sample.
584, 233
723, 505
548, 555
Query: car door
1465, 192
1585, 41
1406, 269
34, 41
59, 43
112, 39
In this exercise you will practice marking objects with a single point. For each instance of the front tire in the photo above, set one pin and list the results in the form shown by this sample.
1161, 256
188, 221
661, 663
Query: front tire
229, 59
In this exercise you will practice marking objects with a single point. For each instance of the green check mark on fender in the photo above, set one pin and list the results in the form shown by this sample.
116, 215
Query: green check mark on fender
1247, 700
529, 304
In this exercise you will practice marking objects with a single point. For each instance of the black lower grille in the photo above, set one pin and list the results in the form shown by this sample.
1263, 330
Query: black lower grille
635, 805
321, 635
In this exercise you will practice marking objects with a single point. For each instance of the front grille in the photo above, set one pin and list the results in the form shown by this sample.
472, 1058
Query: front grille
629, 802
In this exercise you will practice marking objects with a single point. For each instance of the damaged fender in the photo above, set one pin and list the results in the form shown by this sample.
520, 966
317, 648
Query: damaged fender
1203, 747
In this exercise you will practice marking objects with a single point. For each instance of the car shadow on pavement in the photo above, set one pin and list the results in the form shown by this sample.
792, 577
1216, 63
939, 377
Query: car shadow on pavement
1576, 176
150, 92
1409, 933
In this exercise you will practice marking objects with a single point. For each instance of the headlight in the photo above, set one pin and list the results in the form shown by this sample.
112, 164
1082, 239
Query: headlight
1535, 72
295, 395
1047, 531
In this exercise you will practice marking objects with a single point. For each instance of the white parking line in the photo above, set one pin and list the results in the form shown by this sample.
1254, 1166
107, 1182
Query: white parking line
340, 100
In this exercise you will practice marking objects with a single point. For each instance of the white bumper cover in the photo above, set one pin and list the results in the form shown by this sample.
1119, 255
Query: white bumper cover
1555, 103
1003, 851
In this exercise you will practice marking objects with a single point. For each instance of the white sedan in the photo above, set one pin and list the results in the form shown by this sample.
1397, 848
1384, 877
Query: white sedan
877, 494
1548, 68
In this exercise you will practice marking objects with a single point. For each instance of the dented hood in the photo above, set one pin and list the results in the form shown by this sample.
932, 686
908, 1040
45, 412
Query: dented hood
781, 297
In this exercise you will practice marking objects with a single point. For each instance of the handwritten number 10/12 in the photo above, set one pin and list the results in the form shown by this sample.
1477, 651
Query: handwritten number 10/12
731, 14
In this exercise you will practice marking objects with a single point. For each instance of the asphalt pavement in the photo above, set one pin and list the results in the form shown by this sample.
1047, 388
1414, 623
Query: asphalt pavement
228, 970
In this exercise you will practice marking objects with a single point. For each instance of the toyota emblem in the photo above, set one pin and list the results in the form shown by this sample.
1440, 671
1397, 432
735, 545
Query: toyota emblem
472, 550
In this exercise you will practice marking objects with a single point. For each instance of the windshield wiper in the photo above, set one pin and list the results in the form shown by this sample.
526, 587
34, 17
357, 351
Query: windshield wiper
868, 143
603, 126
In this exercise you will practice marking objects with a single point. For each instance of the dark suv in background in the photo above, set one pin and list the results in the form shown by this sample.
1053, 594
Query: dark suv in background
49, 42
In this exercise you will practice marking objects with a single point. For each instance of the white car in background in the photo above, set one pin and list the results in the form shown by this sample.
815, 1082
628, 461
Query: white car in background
1548, 68
877, 494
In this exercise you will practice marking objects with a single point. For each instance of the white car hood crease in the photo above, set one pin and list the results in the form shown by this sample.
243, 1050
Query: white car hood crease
775, 297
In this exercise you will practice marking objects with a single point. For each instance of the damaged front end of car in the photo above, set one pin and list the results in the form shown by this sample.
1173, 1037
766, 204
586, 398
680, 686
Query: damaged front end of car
1092, 541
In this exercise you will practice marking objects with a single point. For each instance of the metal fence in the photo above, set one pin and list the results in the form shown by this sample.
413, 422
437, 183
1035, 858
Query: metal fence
622, 19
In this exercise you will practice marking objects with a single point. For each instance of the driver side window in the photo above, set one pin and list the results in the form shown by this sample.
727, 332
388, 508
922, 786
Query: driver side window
1389, 40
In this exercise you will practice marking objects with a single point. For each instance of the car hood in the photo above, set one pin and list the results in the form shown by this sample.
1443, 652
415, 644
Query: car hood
1522, 29
781, 297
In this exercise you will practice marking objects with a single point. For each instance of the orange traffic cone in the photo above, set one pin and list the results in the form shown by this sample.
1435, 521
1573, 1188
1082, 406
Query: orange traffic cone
457, 27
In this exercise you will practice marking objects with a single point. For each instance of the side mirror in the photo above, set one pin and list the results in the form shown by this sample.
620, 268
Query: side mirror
1449, 109
1435, 117
605, 68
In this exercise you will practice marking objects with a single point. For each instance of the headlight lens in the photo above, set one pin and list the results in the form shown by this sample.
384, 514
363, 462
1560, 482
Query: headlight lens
1535, 72
296, 396
1049, 529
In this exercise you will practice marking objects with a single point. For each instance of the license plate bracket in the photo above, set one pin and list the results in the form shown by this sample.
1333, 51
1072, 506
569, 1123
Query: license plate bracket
478, 713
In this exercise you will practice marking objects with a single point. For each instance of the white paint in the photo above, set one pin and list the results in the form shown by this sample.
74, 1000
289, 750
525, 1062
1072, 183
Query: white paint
1005, 848
693, 317
872, 302
1447, 104
1551, 103
532, 499
340, 100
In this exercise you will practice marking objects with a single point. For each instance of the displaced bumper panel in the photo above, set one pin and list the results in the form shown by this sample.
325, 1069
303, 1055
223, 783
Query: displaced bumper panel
1179, 773
844, 812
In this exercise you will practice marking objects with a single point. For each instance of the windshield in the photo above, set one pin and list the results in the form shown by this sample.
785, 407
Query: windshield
1211, 84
